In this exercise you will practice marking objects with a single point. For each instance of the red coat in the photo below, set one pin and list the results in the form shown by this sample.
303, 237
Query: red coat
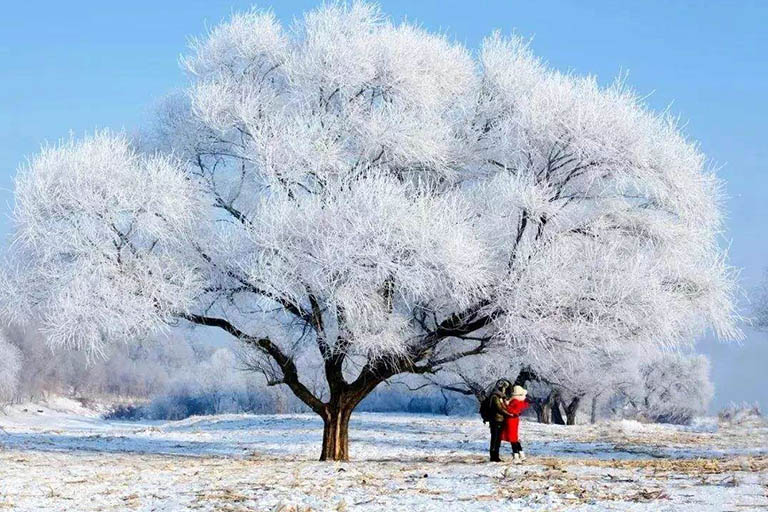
509, 433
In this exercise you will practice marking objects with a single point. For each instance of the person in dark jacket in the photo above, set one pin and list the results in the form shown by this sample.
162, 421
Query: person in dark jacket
499, 414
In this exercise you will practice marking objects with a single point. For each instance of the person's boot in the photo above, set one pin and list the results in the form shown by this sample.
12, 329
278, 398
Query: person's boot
521, 455
516, 458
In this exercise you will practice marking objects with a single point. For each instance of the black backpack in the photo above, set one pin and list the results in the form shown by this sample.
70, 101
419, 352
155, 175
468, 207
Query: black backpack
486, 409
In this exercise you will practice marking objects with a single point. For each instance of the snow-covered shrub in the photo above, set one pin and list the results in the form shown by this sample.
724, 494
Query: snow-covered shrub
187, 399
740, 413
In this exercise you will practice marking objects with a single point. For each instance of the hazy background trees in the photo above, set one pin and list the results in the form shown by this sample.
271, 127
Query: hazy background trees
172, 378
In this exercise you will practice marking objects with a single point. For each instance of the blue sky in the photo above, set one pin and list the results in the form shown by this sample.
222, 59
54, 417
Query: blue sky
81, 65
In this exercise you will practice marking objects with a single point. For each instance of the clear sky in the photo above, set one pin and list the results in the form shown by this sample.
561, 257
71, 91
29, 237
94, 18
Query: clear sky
85, 64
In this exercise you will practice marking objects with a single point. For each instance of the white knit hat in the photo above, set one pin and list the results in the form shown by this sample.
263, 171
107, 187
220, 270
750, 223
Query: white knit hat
519, 392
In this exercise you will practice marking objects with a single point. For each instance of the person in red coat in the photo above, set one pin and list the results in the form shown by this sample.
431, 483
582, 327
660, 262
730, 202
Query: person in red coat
515, 407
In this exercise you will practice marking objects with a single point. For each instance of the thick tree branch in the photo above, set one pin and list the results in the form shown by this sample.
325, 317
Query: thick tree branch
286, 363
289, 306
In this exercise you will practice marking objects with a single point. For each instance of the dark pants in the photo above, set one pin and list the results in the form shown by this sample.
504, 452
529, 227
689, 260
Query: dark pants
496, 428
516, 447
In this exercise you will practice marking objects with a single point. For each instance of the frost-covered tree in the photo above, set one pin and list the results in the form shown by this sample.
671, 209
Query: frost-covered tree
673, 388
572, 374
10, 366
364, 199
558, 379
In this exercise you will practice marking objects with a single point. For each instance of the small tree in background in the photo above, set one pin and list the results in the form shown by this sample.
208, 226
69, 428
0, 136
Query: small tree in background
10, 366
673, 388
356, 199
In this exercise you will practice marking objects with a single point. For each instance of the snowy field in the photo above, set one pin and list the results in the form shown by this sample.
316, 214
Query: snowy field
53, 460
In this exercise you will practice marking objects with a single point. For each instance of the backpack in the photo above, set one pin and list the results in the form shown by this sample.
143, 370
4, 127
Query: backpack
486, 409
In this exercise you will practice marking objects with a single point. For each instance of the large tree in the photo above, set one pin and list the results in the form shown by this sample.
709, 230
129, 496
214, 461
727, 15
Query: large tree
373, 197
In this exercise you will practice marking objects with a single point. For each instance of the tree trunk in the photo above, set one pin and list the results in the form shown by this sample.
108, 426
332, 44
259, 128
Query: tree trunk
557, 413
336, 414
544, 411
593, 415
544, 414
571, 410
336, 434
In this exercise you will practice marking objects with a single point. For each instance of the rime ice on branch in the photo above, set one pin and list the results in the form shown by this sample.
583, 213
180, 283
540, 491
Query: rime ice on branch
361, 199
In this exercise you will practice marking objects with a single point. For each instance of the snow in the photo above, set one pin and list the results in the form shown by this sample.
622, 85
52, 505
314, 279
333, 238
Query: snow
55, 406
68, 458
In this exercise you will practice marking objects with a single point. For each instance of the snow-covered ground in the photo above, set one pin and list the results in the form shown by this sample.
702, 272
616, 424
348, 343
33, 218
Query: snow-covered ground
63, 457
